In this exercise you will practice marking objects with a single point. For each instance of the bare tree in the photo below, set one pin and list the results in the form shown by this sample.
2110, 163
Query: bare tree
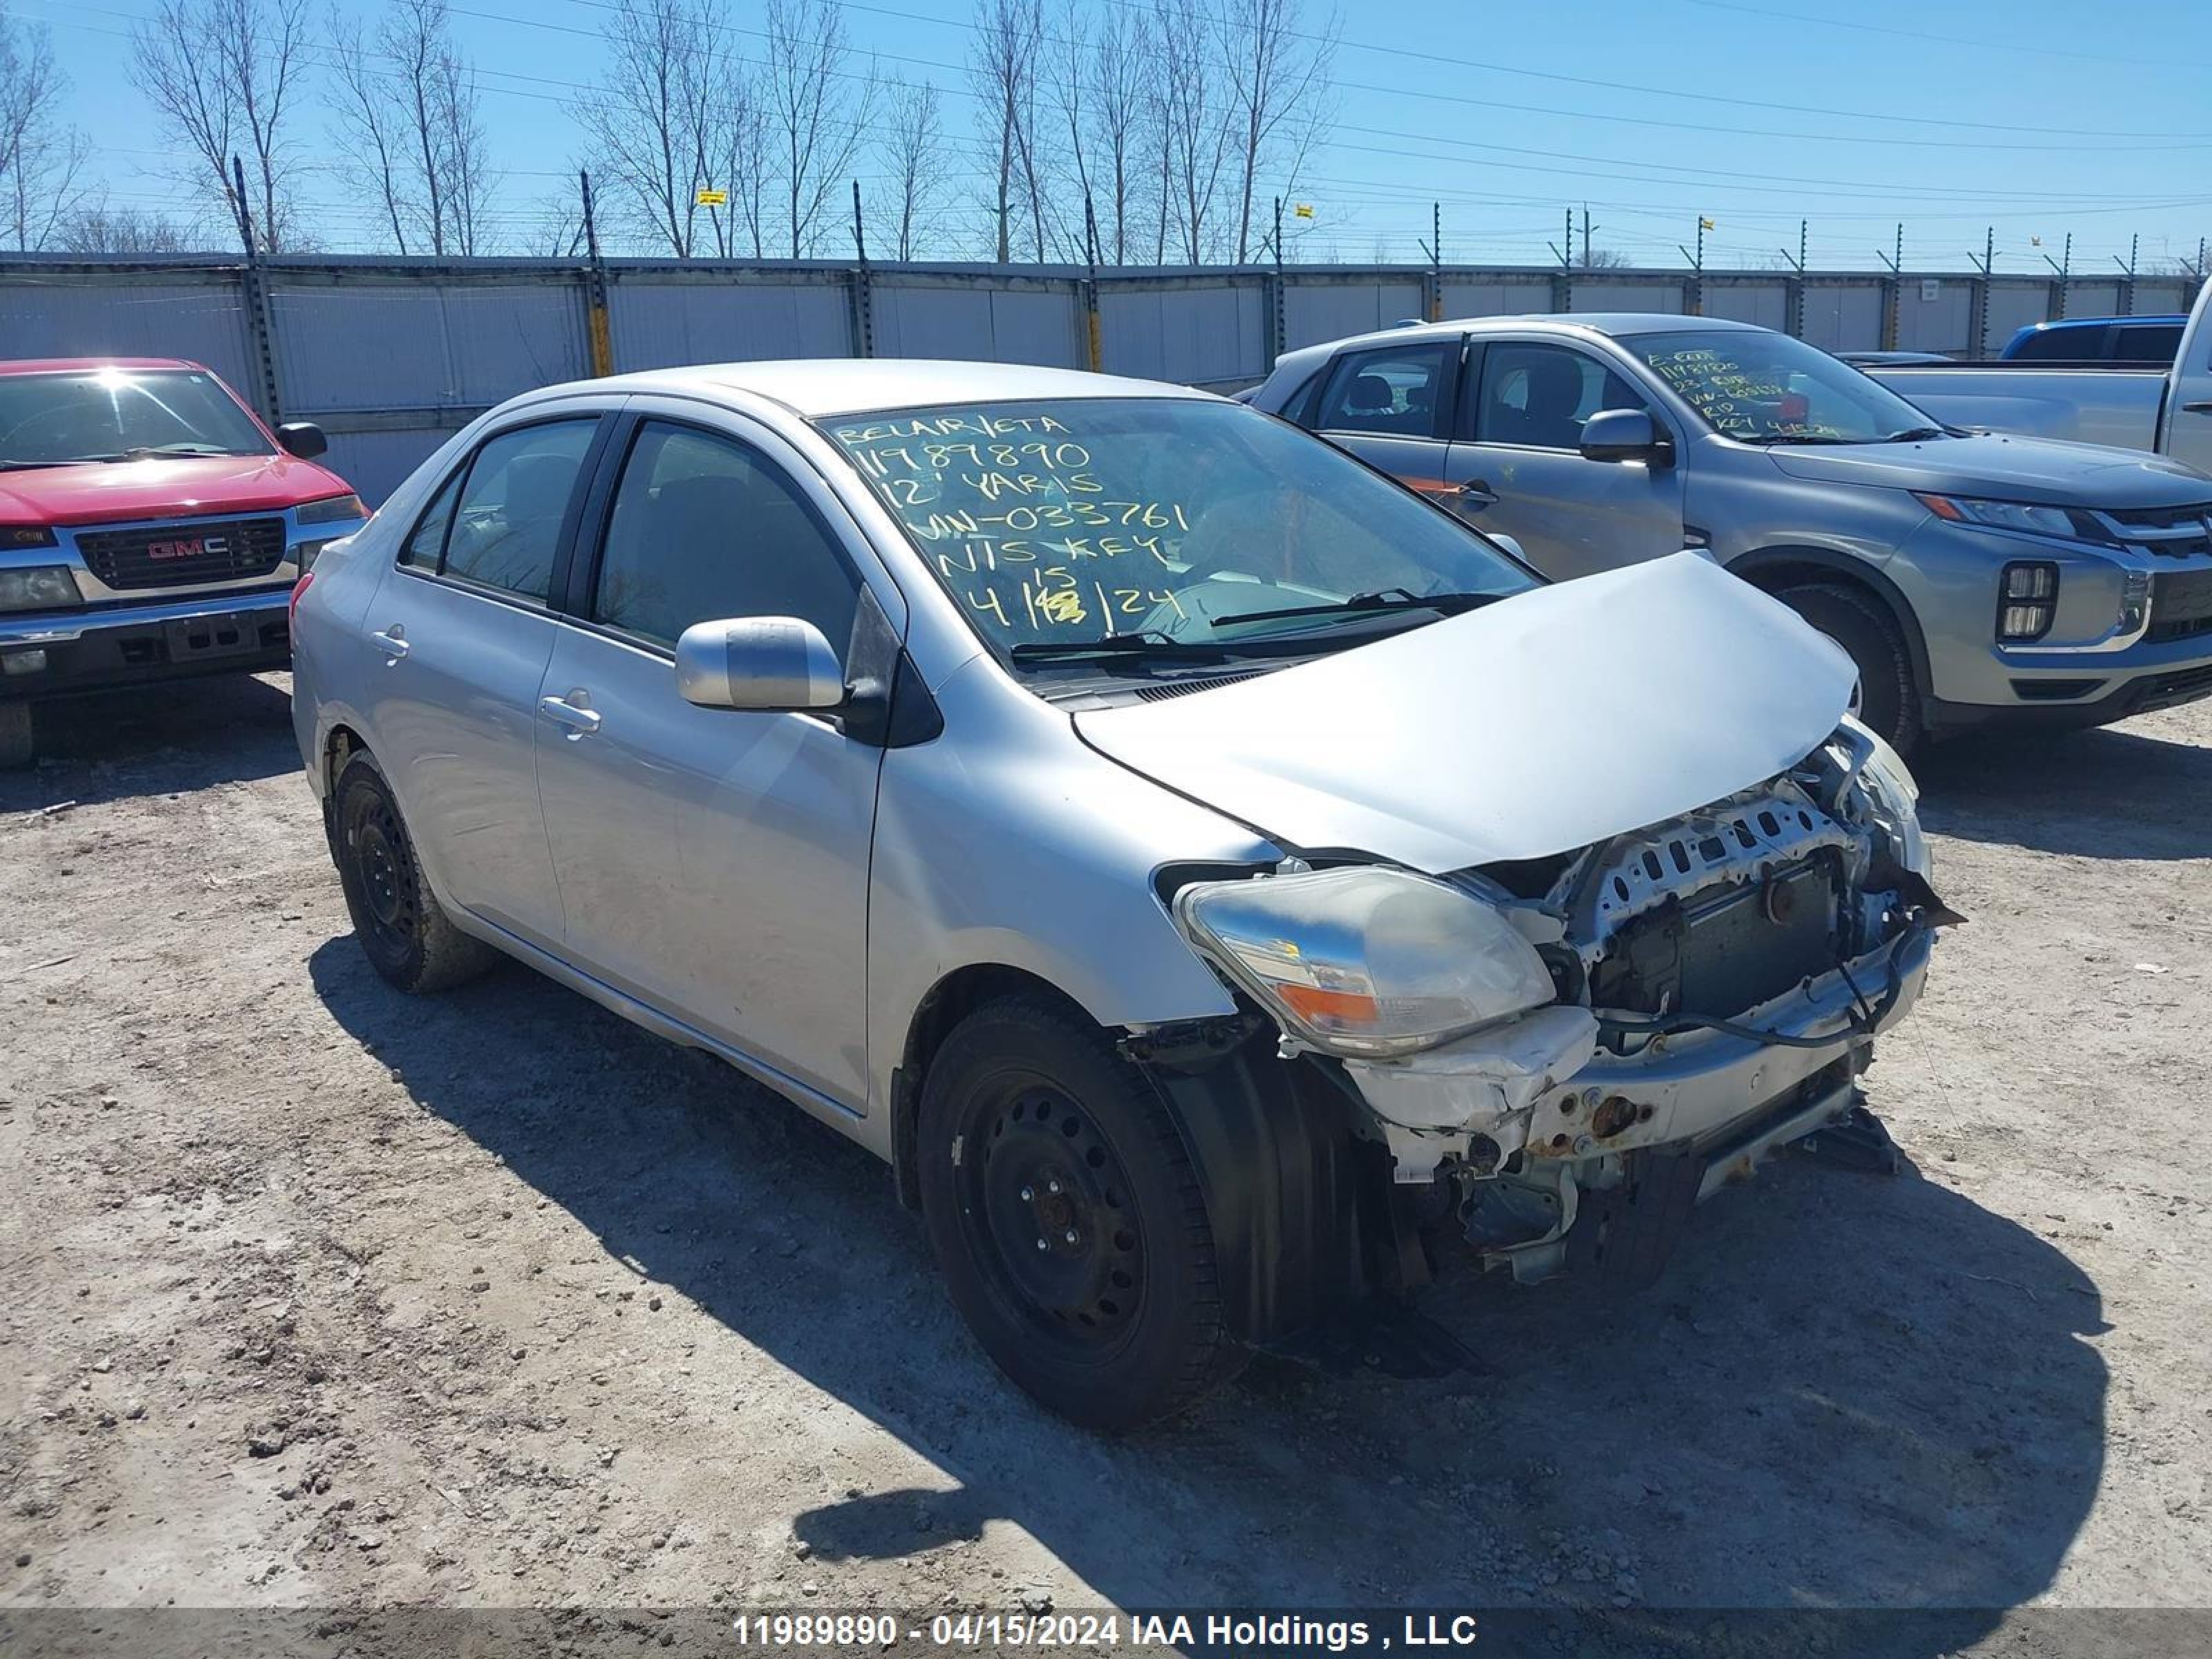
674, 115
1276, 97
222, 75
1188, 103
409, 120
40, 158
1003, 64
815, 122
911, 152
1112, 65
104, 229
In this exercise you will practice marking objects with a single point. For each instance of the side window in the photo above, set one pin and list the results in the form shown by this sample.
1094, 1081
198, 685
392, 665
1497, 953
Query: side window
1538, 396
705, 528
2060, 345
2147, 342
428, 539
1393, 392
507, 527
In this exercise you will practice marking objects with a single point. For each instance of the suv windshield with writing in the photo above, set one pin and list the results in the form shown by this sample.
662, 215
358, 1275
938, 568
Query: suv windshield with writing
1757, 387
1194, 523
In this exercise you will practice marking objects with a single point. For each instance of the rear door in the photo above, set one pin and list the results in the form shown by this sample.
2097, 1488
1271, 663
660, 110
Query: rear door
463, 627
1391, 406
714, 862
1515, 466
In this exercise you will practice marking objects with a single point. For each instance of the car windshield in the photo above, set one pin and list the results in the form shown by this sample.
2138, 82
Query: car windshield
120, 415
1760, 386
1195, 527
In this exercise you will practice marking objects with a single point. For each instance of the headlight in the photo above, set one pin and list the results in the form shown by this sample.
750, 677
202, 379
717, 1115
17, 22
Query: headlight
331, 510
2031, 520
1895, 797
41, 587
1365, 961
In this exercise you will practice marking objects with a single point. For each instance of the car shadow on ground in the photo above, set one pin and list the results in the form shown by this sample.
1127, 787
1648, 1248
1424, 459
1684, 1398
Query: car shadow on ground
2106, 794
1847, 1390
156, 740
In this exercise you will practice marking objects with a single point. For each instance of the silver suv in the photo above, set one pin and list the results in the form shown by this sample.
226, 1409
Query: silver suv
1974, 578
1200, 867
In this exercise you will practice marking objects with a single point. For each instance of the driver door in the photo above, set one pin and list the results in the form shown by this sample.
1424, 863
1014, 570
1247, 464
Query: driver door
1515, 466
712, 862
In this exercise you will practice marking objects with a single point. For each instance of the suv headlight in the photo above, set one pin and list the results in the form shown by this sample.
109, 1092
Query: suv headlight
39, 588
1365, 961
2028, 519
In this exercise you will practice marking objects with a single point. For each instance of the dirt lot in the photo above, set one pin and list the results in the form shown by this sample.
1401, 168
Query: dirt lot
314, 1294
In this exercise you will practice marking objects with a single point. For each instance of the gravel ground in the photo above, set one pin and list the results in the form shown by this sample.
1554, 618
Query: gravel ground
315, 1295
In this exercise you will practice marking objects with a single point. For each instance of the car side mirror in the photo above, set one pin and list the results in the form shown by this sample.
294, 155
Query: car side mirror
1625, 434
1510, 544
302, 438
769, 664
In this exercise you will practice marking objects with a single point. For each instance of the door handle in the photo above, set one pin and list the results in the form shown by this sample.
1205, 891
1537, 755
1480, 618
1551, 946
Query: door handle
581, 722
1477, 492
392, 642
2201, 407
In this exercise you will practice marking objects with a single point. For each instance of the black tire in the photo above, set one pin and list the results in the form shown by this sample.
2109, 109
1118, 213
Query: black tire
1121, 1325
407, 938
18, 747
1889, 700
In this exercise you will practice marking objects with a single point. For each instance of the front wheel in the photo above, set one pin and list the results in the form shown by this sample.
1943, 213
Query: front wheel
1887, 701
1067, 1216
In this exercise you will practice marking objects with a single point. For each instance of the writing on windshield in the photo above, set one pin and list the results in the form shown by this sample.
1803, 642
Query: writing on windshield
1070, 518
1762, 387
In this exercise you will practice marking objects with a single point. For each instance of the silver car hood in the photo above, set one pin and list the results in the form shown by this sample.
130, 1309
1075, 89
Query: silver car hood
1533, 727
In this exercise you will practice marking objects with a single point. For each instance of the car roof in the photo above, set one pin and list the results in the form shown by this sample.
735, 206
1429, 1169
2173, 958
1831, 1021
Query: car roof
2059, 325
78, 365
1615, 323
855, 386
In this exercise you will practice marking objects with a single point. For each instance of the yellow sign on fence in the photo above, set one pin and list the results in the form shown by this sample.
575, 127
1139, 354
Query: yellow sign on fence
1303, 210
712, 199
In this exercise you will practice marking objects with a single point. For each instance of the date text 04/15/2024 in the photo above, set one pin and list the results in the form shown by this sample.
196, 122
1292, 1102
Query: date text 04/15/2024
984, 1631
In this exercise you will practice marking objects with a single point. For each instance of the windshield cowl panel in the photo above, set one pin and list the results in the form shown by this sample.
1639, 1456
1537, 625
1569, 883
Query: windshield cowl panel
1164, 529
1760, 387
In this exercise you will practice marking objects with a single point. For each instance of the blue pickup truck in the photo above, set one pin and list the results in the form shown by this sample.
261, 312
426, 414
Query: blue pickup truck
2098, 340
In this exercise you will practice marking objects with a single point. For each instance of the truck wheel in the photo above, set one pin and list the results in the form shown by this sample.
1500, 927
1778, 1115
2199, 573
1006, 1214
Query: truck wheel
17, 747
408, 938
1067, 1219
1888, 702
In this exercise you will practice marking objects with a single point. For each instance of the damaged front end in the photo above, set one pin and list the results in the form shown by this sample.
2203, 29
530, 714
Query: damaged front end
1567, 1054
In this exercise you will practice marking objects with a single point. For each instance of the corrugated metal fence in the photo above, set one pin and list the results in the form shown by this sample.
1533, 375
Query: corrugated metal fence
389, 356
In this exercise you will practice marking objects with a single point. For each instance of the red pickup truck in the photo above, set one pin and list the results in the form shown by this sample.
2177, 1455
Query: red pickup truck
151, 527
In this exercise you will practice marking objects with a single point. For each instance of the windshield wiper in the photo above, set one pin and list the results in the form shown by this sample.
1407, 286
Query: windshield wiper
1803, 438
187, 447
1136, 642
1913, 434
1387, 599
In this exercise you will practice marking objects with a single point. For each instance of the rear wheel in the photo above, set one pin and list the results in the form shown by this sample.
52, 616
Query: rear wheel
1067, 1219
1887, 699
17, 747
407, 937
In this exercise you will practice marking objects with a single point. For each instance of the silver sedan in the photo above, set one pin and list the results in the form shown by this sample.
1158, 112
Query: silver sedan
1198, 867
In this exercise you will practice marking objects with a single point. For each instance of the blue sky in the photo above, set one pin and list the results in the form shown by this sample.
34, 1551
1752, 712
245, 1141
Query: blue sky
1948, 117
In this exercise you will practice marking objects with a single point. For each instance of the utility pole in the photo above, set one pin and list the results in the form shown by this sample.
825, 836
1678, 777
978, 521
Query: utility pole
1563, 284
1279, 331
1894, 294
864, 299
595, 288
2064, 266
1981, 294
1697, 298
257, 294
1432, 301
1793, 323
1093, 337
2128, 288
